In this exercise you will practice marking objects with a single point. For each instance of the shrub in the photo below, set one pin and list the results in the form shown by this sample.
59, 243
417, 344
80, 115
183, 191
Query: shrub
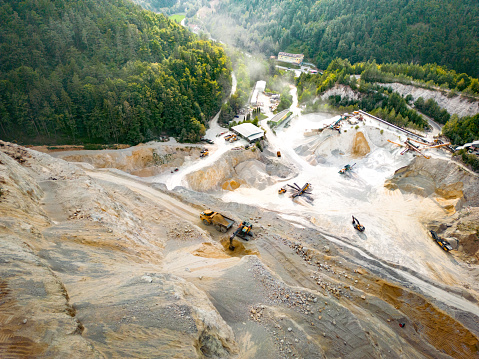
470, 160
258, 144
93, 146
381, 132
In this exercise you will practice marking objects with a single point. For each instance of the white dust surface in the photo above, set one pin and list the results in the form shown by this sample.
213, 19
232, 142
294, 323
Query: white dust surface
395, 222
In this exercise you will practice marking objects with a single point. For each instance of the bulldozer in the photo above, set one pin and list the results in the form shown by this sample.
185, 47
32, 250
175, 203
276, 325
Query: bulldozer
243, 231
220, 222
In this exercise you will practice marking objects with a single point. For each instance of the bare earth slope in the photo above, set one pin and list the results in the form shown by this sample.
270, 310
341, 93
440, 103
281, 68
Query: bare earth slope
81, 270
98, 264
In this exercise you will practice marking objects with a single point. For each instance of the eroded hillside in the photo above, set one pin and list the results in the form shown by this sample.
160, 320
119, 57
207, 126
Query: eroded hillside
101, 264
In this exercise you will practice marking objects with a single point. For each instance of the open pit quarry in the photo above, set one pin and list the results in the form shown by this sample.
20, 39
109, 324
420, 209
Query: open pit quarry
104, 254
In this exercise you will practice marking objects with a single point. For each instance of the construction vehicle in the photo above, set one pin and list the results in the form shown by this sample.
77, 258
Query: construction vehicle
233, 138
346, 168
282, 190
207, 140
358, 225
278, 154
220, 222
442, 242
336, 125
299, 191
243, 231
227, 137
204, 153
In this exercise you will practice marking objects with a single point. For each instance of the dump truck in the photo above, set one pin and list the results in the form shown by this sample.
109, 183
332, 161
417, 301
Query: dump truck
220, 222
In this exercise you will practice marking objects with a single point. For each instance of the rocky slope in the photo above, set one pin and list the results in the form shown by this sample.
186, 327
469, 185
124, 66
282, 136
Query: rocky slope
143, 160
238, 168
457, 104
100, 265
81, 270
455, 189
343, 91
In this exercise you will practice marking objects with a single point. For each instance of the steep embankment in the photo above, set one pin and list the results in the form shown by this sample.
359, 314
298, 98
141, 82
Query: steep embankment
455, 189
81, 269
126, 269
456, 104
341, 90
143, 160
238, 168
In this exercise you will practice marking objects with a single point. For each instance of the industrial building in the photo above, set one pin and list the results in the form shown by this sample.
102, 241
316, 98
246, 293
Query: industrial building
291, 58
259, 88
249, 132
473, 147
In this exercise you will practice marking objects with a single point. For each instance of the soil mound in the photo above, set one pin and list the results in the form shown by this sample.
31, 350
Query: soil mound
330, 145
445, 181
360, 146
241, 248
222, 173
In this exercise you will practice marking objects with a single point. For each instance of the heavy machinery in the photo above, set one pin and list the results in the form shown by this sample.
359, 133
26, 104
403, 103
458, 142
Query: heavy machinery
204, 153
442, 242
228, 137
346, 168
278, 154
221, 223
282, 190
233, 138
409, 146
358, 225
243, 231
299, 191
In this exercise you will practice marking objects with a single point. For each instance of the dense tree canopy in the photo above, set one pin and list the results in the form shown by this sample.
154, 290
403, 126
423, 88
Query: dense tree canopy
103, 71
462, 130
434, 31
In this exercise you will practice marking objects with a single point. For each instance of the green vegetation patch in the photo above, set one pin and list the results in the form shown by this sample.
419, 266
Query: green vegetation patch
177, 17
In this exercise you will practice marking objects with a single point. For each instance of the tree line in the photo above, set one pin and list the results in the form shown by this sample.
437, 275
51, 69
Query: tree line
104, 71
382, 101
444, 32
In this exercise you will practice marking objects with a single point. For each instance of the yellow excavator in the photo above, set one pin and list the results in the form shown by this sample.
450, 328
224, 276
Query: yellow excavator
243, 231
358, 225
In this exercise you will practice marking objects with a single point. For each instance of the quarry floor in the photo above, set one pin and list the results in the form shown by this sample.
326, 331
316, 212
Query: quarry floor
307, 285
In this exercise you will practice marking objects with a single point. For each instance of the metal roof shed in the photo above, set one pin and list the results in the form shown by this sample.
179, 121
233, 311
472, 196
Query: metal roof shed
248, 131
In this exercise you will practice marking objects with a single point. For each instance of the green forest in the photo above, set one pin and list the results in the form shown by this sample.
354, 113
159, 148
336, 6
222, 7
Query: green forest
444, 32
104, 71
383, 102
